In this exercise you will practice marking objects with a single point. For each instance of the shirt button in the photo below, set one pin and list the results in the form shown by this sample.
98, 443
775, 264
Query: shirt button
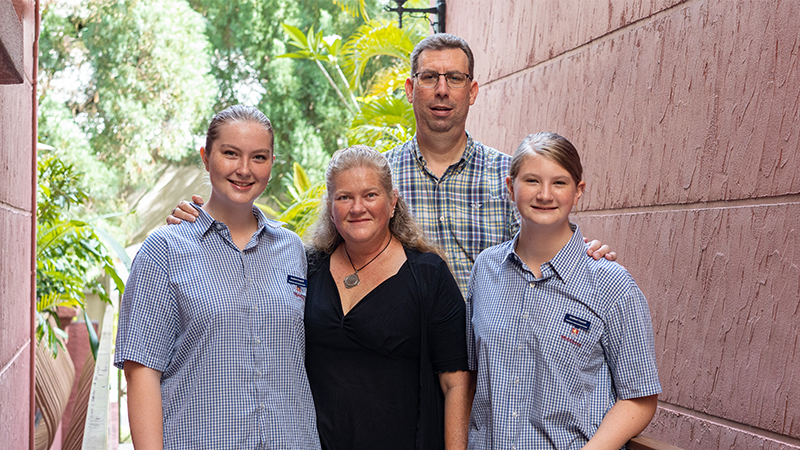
514, 414
259, 374
516, 380
258, 341
441, 218
525, 315
532, 284
519, 347
255, 308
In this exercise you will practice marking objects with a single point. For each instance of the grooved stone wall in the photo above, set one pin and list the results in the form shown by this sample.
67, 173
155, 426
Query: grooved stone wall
17, 36
687, 117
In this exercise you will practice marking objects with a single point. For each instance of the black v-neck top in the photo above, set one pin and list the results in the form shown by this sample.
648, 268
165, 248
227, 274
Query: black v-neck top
364, 367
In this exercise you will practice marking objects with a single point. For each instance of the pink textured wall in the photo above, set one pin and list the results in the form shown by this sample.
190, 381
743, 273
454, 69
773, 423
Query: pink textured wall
687, 116
17, 129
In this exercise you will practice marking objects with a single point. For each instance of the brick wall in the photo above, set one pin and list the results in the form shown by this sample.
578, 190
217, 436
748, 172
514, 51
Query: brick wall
17, 83
687, 117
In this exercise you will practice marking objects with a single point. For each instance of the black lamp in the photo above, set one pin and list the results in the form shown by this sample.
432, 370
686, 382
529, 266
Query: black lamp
439, 10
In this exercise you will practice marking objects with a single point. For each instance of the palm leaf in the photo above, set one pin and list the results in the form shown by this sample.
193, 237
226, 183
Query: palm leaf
353, 7
300, 179
383, 123
94, 343
303, 212
373, 39
49, 236
267, 209
388, 80
298, 38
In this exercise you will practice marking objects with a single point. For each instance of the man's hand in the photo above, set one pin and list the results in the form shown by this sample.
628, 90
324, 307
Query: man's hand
185, 211
596, 249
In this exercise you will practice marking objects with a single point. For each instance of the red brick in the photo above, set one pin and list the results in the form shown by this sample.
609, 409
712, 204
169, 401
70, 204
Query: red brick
686, 430
16, 134
515, 35
723, 286
667, 111
15, 283
26, 13
15, 407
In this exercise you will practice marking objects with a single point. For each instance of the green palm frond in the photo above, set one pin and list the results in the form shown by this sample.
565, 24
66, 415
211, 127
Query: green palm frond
305, 196
376, 38
52, 235
383, 123
388, 80
302, 213
53, 300
267, 209
300, 179
353, 7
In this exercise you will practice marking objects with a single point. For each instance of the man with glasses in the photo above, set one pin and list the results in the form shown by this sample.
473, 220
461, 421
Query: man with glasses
454, 185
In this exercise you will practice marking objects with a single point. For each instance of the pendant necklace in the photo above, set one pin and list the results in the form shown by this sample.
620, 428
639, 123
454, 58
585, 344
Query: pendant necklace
352, 280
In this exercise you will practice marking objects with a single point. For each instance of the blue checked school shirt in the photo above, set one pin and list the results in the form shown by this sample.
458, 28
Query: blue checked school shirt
225, 326
466, 210
554, 354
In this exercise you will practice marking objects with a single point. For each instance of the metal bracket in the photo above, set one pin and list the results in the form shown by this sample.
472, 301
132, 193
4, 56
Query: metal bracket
439, 10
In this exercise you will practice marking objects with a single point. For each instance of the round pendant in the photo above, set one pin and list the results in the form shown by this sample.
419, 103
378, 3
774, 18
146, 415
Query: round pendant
351, 281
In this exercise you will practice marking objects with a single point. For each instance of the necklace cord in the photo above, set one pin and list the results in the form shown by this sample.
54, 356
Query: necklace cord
373, 259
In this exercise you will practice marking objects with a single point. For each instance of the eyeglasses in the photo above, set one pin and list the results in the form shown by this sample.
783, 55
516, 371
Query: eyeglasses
455, 80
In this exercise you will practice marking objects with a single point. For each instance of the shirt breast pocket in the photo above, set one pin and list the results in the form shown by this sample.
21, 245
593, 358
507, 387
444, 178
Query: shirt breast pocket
285, 293
578, 338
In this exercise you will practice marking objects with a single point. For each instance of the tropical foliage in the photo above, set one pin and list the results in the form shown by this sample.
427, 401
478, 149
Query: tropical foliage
300, 212
127, 86
367, 71
70, 255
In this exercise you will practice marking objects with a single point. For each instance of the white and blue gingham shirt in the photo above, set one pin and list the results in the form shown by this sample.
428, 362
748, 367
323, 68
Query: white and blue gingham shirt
225, 328
466, 210
554, 354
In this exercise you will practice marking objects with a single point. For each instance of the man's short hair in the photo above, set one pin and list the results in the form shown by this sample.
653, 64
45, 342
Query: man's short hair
442, 41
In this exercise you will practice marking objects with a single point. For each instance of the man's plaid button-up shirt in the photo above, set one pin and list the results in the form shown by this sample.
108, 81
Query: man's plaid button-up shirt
466, 210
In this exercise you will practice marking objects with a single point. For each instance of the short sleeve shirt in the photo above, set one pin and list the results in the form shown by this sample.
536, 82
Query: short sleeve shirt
554, 354
466, 210
225, 328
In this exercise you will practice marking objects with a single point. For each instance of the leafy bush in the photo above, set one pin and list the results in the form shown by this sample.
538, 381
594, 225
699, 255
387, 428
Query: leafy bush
68, 250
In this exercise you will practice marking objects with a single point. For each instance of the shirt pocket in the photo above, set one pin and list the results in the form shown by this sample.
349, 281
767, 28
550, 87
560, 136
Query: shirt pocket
576, 339
279, 301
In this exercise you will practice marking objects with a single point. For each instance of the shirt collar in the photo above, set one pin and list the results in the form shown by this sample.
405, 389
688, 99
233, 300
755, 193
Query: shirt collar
567, 259
205, 223
562, 265
469, 152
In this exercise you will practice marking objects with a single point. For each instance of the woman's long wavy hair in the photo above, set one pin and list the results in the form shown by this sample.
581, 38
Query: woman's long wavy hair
323, 237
